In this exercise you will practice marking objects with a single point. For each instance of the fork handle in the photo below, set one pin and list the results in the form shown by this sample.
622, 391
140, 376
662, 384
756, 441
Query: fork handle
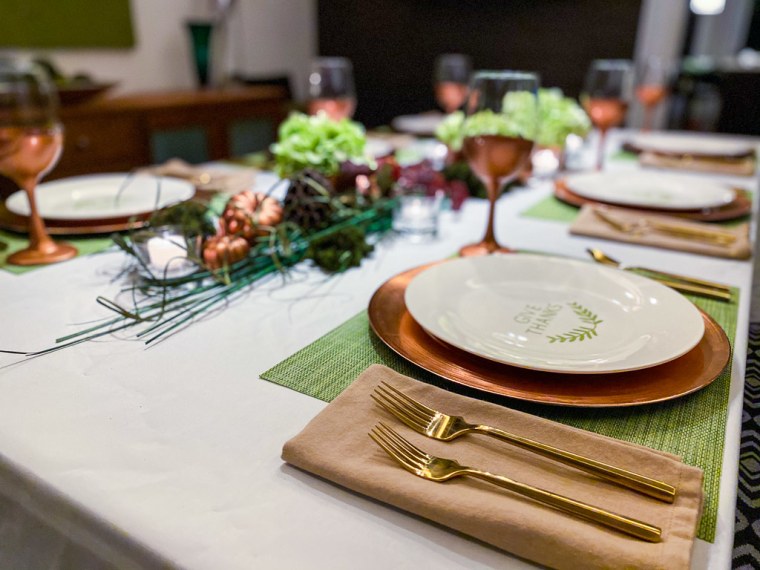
633, 527
676, 277
641, 483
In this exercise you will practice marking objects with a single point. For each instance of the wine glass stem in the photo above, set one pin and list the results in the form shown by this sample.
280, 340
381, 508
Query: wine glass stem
492, 188
600, 156
38, 237
648, 116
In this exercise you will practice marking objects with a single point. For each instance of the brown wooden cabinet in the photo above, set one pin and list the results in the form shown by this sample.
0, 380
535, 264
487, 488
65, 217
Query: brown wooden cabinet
120, 133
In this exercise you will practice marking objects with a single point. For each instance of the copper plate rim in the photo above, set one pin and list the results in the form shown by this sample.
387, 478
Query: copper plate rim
20, 224
394, 325
741, 206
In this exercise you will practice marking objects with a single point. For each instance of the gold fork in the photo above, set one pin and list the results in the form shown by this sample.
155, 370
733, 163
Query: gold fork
440, 469
438, 425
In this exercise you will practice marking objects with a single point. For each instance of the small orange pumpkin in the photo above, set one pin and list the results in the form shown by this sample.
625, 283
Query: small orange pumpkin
220, 251
248, 213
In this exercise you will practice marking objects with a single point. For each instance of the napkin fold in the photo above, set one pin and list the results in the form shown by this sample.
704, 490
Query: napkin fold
335, 446
589, 224
735, 166
207, 179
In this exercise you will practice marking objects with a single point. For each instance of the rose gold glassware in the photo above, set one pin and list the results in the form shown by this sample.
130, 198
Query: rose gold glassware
652, 87
494, 156
331, 88
31, 141
605, 96
452, 74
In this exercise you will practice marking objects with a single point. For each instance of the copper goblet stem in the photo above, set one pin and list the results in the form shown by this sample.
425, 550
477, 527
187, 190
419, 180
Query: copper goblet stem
42, 249
488, 244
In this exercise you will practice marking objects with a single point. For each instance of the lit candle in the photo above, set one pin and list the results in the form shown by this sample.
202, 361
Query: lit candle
163, 251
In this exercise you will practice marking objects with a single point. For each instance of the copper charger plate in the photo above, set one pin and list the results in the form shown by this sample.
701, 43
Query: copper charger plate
15, 223
741, 206
395, 326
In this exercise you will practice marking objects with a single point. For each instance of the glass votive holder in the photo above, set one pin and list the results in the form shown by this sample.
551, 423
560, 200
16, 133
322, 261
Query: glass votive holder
165, 251
415, 216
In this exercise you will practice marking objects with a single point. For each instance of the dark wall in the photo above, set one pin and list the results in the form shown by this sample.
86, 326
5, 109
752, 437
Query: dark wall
393, 43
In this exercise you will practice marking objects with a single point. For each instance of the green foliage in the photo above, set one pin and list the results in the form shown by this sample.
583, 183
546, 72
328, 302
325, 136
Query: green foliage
340, 250
449, 131
317, 142
193, 218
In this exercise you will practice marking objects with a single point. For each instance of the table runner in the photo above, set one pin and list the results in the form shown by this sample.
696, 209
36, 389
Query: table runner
10, 242
692, 427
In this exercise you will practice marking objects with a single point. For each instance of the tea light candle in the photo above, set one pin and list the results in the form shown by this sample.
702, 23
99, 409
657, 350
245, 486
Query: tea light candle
417, 216
163, 251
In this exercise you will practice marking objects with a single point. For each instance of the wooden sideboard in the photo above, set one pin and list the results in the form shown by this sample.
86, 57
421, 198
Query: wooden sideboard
117, 134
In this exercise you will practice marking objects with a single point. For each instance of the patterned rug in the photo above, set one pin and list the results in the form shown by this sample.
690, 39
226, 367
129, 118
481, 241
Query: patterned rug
747, 533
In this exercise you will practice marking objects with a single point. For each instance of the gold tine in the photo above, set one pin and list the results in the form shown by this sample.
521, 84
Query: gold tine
405, 407
412, 449
393, 448
401, 413
378, 439
429, 412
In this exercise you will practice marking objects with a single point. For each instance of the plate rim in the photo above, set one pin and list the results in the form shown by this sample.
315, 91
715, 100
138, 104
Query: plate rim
727, 190
579, 264
104, 219
388, 315
742, 149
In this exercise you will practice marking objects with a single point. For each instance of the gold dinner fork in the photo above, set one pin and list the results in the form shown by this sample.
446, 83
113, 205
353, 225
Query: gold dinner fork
439, 469
438, 425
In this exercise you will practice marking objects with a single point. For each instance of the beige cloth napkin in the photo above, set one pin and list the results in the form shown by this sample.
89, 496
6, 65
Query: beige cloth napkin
335, 446
589, 224
744, 166
209, 179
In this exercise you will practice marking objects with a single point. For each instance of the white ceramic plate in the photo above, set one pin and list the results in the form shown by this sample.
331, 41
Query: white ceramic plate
693, 145
94, 196
553, 314
422, 124
651, 190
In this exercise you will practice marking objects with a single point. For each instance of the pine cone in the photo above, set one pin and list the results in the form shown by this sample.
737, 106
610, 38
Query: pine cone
248, 213
309, 201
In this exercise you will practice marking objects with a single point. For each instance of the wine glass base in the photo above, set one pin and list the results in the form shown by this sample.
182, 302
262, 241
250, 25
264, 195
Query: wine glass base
483, 248
30, 256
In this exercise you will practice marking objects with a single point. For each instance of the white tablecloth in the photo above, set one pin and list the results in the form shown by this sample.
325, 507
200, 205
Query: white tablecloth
171, 454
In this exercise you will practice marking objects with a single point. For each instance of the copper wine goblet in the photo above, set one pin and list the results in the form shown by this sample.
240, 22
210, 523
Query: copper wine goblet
499, 131
31, 140
605, 97
331, 88
653, 83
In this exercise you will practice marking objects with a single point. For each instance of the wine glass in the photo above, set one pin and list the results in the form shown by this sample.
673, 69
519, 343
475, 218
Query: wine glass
331, 88
500, 127
652, 87
605, 96
452, 73
31, 140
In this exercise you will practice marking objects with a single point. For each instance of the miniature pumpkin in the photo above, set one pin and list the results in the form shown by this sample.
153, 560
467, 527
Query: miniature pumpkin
220, 251
248, 214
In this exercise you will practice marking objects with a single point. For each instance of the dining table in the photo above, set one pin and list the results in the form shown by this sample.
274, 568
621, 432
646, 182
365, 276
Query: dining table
118, 454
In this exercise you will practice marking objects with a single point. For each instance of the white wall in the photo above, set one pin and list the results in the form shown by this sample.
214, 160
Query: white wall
265, 37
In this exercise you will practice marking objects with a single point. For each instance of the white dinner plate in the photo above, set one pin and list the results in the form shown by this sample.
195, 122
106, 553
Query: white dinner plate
651, 190
421, 124
94, 196
553, 314
692, 145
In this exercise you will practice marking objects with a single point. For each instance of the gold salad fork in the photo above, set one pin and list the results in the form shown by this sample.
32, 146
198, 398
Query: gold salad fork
438, 425
440, 470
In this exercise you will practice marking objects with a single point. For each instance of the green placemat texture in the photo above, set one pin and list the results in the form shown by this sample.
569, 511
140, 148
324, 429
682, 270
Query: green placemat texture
692, 427
10, 242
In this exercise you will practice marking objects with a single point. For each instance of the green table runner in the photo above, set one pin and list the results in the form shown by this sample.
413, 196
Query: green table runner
10, 243
692, 427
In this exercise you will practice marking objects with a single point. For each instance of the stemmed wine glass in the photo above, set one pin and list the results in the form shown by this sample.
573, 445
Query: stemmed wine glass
500, 127
331, 88
31, 140
452, 74
652, 87
605, 96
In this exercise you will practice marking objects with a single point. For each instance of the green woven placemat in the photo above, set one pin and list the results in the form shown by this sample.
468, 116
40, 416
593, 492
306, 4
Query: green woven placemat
10, 242
692, 427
